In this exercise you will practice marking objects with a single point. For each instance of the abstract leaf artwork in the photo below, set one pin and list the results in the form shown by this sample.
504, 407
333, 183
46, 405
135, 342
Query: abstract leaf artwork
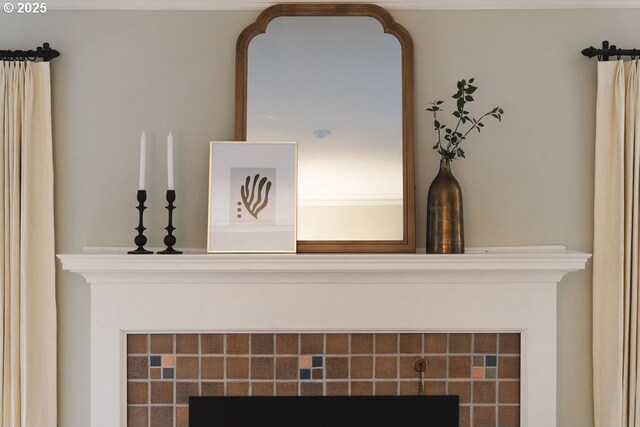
252, 193
254, 199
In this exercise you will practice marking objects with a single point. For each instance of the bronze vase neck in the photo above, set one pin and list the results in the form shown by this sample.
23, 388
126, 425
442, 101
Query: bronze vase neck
445, 225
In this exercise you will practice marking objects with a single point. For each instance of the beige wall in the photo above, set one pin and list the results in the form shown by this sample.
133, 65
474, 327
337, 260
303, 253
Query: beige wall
525, 181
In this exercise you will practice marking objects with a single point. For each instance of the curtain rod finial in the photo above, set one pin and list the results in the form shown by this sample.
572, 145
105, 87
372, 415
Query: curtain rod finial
589, 52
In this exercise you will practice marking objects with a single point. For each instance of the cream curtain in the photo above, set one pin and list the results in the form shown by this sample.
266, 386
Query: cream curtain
615, 246
27, 254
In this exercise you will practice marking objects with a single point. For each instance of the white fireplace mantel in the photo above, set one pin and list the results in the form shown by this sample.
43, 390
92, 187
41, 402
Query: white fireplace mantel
501, 289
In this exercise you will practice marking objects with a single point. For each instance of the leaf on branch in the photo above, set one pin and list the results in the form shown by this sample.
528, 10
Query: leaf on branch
455, 136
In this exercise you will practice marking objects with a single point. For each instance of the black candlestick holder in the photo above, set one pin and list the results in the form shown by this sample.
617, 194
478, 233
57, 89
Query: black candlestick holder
170, 239
140, 240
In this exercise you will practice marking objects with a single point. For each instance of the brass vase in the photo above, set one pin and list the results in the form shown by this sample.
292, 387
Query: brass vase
445, 230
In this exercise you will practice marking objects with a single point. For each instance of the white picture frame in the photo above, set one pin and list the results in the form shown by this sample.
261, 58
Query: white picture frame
252, 197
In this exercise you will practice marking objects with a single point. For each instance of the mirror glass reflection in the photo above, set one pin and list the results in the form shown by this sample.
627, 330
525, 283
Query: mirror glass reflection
334, 85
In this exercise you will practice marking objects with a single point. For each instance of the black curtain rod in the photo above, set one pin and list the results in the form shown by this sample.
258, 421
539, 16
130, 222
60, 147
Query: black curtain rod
607, 51
45, 53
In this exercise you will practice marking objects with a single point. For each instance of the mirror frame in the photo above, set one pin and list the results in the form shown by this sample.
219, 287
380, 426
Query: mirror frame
407, 243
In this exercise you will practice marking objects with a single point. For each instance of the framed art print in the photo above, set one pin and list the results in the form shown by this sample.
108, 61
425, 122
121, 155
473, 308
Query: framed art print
252, 197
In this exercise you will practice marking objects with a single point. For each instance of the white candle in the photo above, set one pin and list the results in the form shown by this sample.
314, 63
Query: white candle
143, 152
170, 161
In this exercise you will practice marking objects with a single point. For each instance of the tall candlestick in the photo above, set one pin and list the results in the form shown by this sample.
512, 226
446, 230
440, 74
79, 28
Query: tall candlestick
170, 161
143, 153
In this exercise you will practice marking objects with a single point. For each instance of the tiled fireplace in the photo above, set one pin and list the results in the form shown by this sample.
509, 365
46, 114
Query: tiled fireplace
163, 370
164, 327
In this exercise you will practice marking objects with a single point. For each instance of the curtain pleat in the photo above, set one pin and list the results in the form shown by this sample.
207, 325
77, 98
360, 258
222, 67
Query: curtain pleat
616, 246
630, 373
27, 255
608, 247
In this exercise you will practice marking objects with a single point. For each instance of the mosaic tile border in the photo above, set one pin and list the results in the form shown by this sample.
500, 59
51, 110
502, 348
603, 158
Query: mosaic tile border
163, 370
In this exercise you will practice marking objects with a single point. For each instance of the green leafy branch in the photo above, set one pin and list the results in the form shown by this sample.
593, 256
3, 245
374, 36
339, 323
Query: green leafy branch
454, 136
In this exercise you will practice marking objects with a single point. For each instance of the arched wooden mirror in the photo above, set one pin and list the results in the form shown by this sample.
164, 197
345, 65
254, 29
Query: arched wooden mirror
338, 79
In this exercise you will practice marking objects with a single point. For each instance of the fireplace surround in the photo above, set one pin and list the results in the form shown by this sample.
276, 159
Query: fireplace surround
486, 290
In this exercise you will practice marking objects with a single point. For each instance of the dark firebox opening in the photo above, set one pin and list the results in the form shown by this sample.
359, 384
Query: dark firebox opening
323, 411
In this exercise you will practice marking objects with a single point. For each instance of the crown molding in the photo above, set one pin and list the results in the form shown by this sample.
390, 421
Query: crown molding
388, 4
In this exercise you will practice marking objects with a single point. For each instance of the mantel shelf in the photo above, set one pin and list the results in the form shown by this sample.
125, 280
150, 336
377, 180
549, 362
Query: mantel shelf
498, 264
